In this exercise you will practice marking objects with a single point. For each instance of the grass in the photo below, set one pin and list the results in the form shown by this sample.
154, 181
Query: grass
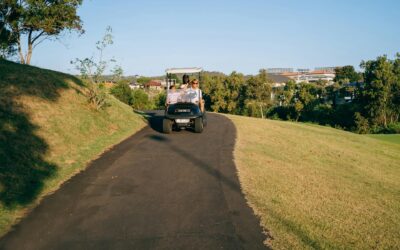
393, 138
316, 187
48, 133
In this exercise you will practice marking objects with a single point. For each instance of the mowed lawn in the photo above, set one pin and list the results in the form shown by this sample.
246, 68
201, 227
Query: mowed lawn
394, 138
319, 187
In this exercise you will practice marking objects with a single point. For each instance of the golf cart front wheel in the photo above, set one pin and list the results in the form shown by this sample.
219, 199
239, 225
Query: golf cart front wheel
167, 126
198, 125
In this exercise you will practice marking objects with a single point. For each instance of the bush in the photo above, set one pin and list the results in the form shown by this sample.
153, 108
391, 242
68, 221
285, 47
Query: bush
392, 128
123, 92
281, 113
362, 124
97, 95
344, 115
320, 113
141, 100
159, 100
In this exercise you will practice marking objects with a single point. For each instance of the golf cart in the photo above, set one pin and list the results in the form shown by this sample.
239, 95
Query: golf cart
181, 112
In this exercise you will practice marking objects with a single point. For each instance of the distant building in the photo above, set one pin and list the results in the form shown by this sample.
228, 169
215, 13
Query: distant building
326, 69
134, 85
278, 80
278, 70
304, 74
312, 76
303, 70
153, 84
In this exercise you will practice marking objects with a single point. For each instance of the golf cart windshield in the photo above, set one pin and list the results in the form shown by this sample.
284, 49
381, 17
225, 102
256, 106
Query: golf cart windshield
183, 96
178, 92
183, 70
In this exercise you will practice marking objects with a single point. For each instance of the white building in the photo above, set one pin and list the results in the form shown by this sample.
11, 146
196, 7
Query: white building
312, 76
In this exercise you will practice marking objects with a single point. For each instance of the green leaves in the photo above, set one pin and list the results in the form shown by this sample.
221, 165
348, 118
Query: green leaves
93, 68
346, 74
38, 20
235, 95
381, 91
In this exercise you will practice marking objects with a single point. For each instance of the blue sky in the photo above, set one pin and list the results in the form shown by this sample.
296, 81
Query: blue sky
227, 35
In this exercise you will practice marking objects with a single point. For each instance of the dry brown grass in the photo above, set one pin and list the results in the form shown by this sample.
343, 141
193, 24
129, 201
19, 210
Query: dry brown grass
318, 187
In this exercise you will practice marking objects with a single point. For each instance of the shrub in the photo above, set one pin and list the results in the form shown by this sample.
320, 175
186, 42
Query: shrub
362, 124
97, 95
320, 113
123, 92
394, 128
344, 115
281, 113
141, 100
159, 100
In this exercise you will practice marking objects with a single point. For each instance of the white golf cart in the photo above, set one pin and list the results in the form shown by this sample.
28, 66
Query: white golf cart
183, 108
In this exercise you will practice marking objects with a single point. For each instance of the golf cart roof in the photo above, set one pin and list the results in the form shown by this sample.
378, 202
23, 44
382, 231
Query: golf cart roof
183, 70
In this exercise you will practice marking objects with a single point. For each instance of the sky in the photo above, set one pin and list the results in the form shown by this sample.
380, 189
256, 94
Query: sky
229, 35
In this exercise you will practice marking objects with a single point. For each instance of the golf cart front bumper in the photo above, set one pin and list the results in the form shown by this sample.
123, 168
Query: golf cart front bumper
182, 122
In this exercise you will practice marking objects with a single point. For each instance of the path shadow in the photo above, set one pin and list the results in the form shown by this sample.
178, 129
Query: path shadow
232, 184
215, 158
23, 167
154, 118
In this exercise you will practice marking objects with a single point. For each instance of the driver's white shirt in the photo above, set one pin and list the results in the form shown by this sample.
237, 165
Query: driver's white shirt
194, 95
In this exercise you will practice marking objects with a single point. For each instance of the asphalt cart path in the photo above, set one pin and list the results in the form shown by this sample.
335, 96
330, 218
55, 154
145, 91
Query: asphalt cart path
152, 191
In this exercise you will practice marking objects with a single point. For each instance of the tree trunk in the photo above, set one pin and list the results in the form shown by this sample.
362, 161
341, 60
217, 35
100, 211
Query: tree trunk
21, 55
29, 54
262, 113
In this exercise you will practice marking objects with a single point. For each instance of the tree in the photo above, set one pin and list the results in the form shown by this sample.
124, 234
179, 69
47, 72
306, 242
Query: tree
331, 93
305, 99
233, 87
377, 95
346, 74
38, 20
395, 102
7, 43
258, 93
117, 73
217, 94
92, 70
142, 80
8, 40
288, 92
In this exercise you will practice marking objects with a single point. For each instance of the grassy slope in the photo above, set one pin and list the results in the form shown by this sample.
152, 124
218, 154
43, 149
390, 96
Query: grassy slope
318, 187
48, 133
394, 138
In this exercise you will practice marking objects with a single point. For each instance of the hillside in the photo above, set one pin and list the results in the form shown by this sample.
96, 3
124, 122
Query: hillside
48, 133
319, 187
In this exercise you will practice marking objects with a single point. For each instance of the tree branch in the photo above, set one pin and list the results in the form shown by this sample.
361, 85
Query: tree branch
44, 38
36, 37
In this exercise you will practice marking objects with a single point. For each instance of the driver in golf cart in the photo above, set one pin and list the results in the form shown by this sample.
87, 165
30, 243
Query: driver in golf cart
195, 95
184, 107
